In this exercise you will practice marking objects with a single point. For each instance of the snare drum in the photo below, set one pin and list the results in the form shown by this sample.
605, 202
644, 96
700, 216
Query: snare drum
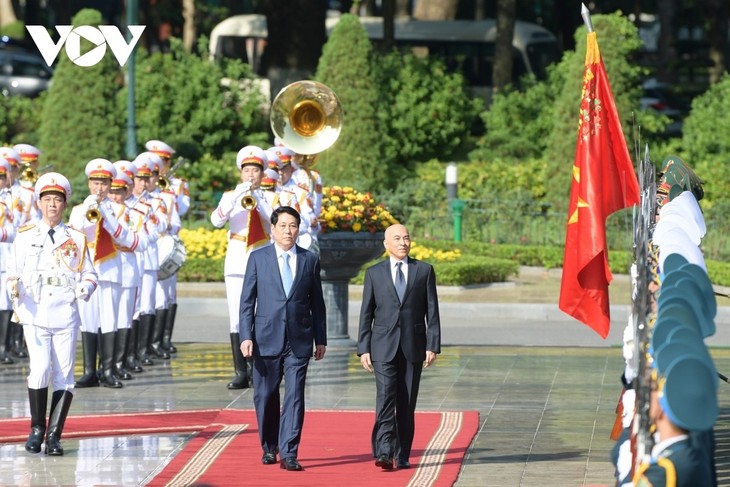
171, 250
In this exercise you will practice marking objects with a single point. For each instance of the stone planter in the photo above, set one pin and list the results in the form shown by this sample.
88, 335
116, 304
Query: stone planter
341, 256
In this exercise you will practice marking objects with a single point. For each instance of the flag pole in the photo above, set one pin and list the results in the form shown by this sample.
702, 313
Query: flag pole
586, 14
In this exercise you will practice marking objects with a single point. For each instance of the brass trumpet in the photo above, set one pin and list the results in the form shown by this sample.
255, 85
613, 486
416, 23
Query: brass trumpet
164, 182
248, 201
93, 214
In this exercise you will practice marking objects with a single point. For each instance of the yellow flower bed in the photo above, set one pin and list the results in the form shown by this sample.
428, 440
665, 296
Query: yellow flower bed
204, 243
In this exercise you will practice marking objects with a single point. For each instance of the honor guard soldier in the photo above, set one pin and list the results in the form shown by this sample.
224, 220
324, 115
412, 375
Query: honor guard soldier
155, 218
49, 272
248, 214
177, 187
97, 218
29, 171
7, 235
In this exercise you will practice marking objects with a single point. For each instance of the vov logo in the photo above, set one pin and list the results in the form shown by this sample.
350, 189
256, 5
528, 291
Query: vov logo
70, 37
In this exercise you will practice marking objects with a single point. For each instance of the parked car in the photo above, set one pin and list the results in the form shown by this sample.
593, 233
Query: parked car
660, 98
22, 72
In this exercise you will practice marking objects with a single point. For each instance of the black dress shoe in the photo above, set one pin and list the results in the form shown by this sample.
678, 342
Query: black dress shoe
268, 458
290, 464
403, 463
385, 462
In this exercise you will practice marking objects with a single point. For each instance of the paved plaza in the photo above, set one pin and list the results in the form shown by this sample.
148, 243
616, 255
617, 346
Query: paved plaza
545, 386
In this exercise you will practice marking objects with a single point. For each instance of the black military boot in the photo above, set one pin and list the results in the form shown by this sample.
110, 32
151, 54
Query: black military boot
108, 379
38, 403
5, 357
18, 340
157, 330
169, 326
240, 381
59, 410
144, 335
121, 336
131, 349
90, 343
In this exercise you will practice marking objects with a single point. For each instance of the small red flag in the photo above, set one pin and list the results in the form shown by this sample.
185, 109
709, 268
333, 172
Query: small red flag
604, 181
257, 236
104, 248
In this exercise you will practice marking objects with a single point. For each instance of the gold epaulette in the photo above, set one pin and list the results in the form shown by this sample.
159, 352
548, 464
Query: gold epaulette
26, 227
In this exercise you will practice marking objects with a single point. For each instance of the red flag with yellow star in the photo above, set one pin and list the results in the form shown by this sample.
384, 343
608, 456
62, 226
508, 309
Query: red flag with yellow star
604, 181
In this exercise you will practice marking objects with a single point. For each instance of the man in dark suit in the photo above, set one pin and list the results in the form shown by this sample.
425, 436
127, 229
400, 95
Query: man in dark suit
400, 334
282, 317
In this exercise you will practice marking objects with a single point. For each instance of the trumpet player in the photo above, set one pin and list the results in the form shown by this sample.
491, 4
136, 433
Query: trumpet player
16, 341
248, 214
29, 155
49, 273
98, 217
7, 235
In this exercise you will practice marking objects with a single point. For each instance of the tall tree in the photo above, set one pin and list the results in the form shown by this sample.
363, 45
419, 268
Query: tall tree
503, 61
668, 56
296, 36
189, 32
72, 133
718, 13
7, 13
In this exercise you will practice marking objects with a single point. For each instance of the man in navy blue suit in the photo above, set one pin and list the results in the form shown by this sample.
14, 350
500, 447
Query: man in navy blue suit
283, 319
400, 334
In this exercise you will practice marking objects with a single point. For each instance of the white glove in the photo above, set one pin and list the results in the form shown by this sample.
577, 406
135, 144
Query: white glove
92, 199
13, 290
110, 219
82, 292
624, 463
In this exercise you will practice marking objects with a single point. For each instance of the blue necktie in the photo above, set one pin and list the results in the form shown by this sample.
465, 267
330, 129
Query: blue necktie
400, 281
286, 277
50, 234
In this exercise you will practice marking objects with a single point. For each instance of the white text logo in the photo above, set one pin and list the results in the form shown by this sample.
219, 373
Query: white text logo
70, 36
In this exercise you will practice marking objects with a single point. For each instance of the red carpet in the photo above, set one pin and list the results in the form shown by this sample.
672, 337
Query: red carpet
335, 447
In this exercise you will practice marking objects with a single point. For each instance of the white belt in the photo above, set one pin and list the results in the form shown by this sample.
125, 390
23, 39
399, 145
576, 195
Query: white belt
56, 281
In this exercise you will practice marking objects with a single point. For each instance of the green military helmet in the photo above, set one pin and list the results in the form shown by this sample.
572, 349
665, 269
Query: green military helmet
680, 308
663, 327
673, 262
691, 297
688, 393
675, 172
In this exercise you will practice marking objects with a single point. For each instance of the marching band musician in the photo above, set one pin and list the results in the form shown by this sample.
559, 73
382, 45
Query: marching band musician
16, 344
7, 235
155, 215
97, 217
178, 188
249, 228
49, 272
131, 276
29, 155
288, 194
165, 288
300, 198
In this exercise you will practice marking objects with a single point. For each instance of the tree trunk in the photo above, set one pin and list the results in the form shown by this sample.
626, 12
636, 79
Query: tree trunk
189, 34
7, 13
402, 8
667, 53
388, 25
435, 9
718, 15
480, 10
502, 70
296, 36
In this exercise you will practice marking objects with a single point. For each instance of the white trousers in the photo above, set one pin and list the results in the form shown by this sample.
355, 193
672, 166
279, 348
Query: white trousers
165, 292
52, 353
127, 301
234, 286
102, 308
147, 293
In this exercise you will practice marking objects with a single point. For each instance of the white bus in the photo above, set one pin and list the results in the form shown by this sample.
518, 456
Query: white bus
466, 46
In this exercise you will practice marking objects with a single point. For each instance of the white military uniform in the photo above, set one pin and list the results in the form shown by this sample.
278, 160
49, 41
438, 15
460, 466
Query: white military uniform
231, 211
52, 274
